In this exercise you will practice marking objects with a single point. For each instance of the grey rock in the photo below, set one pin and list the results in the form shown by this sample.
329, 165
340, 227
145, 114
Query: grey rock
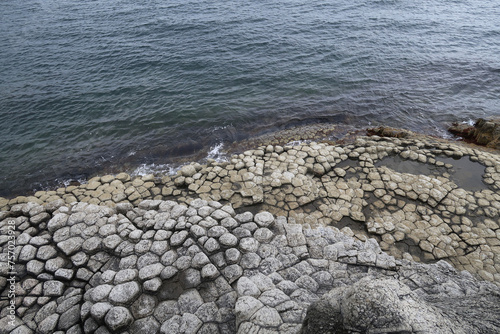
69, 318
147, 325
28, 253
211, 245
39, 240
153, 284
99, 310
273, 297
199, 260
151, 271
308, 283
128, 262
209, 271
263, 235
118, 318
216, 231
205, 211
190, 278
244, 217
323, 278
64, 274
267, 317
92, 244
39, 218
207, 312
124, 293
198, 231
220, 214
159, 247
241, 232
111, 241
232, 273
79, 259
178, 238
125, 275
146, 260
71, 298
57, 221
188, 323
90, 326
100, 292
53, 288
189, 301
288, 287
233, 255
250, 261
382, 305
166, 310
48, 325
45, 311
229, 223
22, 330
143, 306
168, 272
183, 262
246, 307
177, 211
249, 245
263, 282
228, 240
46, 252
246, 287
143, 246
108, 276
264, 219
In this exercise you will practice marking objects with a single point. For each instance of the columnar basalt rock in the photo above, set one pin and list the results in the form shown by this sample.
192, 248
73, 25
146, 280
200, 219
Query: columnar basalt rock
249, 244
264, 281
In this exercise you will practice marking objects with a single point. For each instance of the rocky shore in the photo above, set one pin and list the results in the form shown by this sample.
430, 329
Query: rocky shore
278, 239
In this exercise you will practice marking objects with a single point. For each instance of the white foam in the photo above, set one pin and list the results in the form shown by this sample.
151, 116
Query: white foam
469, 122
216, 153
297, 142
164, 169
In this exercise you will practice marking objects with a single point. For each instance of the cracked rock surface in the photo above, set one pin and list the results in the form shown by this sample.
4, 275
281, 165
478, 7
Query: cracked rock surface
249, 245
177, 275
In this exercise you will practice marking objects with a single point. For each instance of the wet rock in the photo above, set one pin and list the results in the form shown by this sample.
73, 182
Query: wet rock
484, 132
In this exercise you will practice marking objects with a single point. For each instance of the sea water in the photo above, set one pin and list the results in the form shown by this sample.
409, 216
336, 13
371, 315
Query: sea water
97, 86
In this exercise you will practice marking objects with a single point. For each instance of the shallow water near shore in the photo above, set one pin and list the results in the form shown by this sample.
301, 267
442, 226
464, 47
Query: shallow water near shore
89, 87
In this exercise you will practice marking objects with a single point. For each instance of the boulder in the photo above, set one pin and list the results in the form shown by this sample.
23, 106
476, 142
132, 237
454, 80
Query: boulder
483, 132
389, 306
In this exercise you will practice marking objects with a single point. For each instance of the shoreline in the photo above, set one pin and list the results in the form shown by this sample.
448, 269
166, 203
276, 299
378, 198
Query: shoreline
264, 241
331, 184
323, 132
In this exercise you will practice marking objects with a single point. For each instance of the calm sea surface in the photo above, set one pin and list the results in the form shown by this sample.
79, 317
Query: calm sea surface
88, 86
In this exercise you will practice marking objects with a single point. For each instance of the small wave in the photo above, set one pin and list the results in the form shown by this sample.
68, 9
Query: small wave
216, 153
469, 122
297, 142
164, 169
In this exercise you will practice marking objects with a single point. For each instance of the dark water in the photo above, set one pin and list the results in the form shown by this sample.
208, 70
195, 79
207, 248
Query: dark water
87, 86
